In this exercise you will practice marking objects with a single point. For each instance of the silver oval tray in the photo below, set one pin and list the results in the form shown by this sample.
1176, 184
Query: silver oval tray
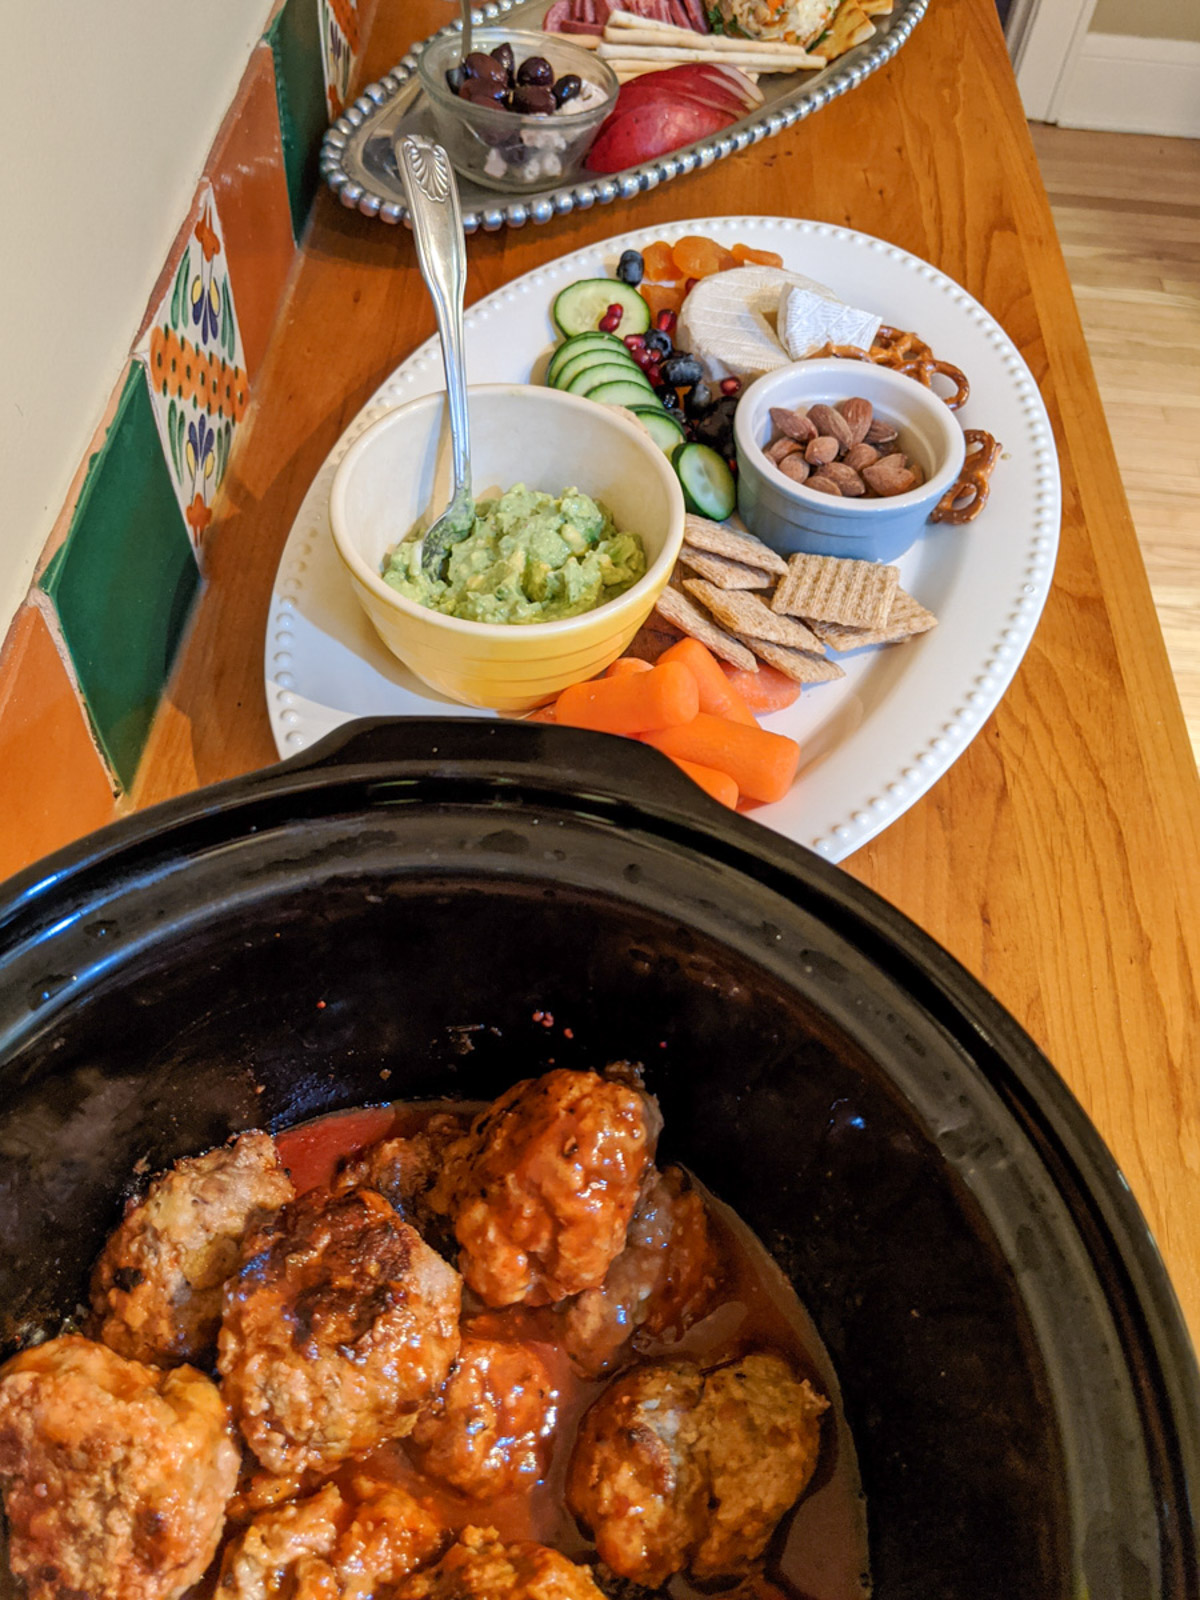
358, 163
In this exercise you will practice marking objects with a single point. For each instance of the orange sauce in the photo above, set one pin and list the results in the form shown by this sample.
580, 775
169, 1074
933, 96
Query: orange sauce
820, 1551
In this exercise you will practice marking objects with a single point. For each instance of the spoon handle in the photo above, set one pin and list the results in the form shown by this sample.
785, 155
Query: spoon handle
436, 217
466, 28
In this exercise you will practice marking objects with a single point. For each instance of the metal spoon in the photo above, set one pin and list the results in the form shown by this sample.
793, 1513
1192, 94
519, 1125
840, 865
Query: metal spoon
436, 217
466, 28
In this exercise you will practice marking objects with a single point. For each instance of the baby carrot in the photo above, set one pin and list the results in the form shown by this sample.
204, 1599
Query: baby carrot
632, 702
718, 784
717, 695
768, 689
542, 714
762, 764
627, 665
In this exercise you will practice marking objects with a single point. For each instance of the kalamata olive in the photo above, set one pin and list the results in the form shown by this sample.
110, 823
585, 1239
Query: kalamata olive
479, 65
567, 88
503, 53
682, 371
482, 91
659, 342
515, 151
455, 78
698, 400
537, 70
631, 268
532, 100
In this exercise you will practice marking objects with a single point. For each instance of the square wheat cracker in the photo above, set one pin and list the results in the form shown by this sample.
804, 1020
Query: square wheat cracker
799, 665
746, 613
724, 573
733, 543
857, 593
906, 619
689, 619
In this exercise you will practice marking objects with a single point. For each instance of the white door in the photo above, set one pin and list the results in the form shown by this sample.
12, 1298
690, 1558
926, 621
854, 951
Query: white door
1043, 39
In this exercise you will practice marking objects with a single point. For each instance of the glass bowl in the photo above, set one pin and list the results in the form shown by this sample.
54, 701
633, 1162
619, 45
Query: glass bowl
508, 150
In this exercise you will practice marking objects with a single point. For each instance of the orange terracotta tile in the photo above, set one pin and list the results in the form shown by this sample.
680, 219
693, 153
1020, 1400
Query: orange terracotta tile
54, 787
249, 183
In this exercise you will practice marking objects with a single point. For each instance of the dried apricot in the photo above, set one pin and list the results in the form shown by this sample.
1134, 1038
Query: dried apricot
662, 296
698, 257
659, 263
746, 257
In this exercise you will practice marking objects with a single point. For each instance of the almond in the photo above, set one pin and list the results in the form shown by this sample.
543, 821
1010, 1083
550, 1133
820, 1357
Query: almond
861, 455
847, 480
782, 447
890, 476
794, 466
824, 483
793, 424
880, 432
820, 450
831, 424
858, 414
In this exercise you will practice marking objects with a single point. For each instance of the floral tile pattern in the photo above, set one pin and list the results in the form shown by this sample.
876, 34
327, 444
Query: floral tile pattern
196, 367
341, 39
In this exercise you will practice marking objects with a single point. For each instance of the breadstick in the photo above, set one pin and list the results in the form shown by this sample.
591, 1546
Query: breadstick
764, 59
621, 27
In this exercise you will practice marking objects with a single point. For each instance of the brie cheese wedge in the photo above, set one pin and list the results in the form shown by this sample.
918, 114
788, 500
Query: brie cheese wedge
729, 321
808, 321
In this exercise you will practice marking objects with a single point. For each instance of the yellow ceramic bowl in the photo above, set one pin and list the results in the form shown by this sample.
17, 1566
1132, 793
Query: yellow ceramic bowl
399, 470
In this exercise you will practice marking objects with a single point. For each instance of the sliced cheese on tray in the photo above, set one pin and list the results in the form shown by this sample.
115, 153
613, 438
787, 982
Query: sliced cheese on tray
728, 322
808, 321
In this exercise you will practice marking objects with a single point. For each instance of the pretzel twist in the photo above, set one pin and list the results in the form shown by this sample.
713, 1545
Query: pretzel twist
909, 355
964, 500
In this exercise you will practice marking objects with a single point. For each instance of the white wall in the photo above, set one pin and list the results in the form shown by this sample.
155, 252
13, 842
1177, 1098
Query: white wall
111, 110
1148, 19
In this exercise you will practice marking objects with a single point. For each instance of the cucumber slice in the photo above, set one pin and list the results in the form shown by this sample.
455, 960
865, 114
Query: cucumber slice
594, 358
612, 372
708, 486
620, 392
581, 305
570, 348
663, 429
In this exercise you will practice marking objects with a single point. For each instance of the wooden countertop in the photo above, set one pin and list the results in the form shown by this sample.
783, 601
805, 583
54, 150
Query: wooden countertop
1058, 857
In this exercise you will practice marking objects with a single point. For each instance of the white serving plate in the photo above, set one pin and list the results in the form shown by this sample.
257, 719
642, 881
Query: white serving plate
874, 742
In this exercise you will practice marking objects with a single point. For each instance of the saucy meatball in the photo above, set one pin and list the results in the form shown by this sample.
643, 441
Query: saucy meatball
665, 1278
156, 1289
758, 1435
542, 1188
490, 1430
676, 1470
404, 1169
478, 1567
340, 1324
115, 1475
347, 1544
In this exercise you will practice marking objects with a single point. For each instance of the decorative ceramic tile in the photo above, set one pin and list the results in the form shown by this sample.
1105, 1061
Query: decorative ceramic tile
124, 580
245, 168
295, 39
341, 40
197, 371
54, 785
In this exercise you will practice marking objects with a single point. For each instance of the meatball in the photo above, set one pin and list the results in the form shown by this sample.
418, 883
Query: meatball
665, 1278
542, 1188
156, 1289
635, 1479
490, 1430
404, 1170
759, 1435
344, 1545
478, 1567
340, 1324
115, 1475
678, 1470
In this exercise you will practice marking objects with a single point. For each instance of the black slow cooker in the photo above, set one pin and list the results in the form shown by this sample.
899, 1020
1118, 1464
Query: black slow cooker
384, 918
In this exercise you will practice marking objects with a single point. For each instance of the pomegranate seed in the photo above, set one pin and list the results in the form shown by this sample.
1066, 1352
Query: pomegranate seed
609, 323
654, 373
731, 386
616, 310
644, 358
665, 322
690, 285
634, 341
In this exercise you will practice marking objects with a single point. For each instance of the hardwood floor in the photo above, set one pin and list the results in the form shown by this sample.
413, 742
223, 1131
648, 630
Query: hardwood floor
1127, 208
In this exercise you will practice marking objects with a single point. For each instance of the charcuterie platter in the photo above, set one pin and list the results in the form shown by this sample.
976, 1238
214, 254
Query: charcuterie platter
358, 161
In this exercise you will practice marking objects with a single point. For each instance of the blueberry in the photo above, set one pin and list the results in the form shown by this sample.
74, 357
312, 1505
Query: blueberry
631, 268
668, 399
699, 398
682, 371
659, 342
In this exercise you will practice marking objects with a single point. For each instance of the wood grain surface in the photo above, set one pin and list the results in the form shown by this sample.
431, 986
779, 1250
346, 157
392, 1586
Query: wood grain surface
1057, 858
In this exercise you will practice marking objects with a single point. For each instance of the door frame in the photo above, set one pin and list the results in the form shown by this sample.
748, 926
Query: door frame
1044, 37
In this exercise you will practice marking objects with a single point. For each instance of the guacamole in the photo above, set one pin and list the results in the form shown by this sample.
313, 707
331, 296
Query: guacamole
528, 558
